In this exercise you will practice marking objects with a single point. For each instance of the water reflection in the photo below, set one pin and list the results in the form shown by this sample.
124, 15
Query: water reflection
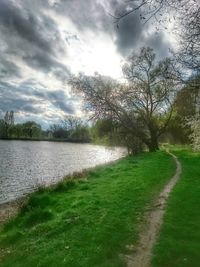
25, 165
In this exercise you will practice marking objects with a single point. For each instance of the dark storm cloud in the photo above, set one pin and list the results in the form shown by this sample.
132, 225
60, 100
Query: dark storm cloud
28, 34
158, 41
129, 36
8, 68
12, 99
44, 62
58, 99
20, 104
132, 34
18, 21
85, 14
28, 98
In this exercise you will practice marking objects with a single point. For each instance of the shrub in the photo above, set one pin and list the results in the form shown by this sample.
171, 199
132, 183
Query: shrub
194, 123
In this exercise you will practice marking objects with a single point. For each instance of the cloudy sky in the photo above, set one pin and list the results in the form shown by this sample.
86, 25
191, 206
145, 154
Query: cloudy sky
44, 41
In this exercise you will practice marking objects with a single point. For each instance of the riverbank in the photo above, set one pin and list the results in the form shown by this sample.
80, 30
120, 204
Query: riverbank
26, 165
67, 140
9, 210
89, 222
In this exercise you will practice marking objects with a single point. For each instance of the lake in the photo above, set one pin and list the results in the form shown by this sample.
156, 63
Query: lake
26, 165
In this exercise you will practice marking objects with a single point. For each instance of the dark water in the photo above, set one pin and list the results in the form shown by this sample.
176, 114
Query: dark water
25, 165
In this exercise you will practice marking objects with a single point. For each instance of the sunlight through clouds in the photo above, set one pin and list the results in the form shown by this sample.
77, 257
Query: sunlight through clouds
44, 42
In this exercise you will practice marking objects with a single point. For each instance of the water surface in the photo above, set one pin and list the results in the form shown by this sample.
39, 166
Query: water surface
26, 165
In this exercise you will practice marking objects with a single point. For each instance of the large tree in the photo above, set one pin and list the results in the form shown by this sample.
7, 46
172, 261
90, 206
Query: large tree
6, 124
138, 105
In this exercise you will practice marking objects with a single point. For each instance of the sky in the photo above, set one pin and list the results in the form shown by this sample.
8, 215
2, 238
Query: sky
43, 42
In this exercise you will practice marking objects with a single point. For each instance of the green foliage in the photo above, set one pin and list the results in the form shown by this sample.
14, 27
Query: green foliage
37, 201
71, 128
37, 216
31, 129
3, 129
16, 131
177, 129
64, 186
91, 223
103, 132
133, 143
8, 129
184, 108
102, 128
81, 133
6, 123
194, 124
108, 132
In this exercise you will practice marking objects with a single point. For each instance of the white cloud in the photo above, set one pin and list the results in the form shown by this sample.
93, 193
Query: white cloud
42, 41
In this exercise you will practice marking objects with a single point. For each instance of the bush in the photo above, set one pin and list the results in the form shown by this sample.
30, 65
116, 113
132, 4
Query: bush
134, 145
37, 201
195, 135
37, 216
64, 186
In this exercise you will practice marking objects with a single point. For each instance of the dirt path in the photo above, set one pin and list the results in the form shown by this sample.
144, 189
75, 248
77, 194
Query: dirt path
143, 251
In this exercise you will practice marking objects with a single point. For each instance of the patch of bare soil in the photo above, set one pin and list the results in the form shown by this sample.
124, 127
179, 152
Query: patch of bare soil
143, 250
9, 210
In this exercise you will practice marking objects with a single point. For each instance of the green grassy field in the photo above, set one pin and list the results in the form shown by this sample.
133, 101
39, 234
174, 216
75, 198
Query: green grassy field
179, 243
87, 223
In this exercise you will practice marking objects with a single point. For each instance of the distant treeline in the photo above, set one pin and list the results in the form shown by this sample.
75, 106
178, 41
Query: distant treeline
70, 129
107, 131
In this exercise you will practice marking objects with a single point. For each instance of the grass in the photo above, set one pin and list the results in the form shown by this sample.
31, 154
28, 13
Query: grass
179, 243
86, 223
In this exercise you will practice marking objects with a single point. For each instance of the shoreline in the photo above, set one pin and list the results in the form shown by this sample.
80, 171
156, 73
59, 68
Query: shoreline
11, 208
66, 140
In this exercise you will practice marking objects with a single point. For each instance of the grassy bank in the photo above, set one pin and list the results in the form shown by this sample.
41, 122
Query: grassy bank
179, 243
86, 223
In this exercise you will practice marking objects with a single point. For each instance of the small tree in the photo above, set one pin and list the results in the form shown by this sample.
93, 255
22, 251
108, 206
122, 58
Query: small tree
76, 128
3, 129
31, 129
6, 124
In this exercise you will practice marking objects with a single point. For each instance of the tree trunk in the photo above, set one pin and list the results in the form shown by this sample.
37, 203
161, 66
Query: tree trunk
153, 142
153, 146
